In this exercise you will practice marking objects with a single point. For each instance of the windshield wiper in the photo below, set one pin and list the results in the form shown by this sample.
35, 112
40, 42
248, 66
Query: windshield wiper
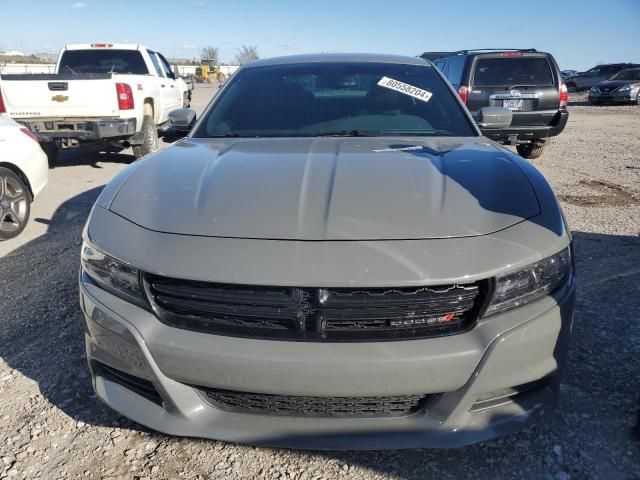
344, 133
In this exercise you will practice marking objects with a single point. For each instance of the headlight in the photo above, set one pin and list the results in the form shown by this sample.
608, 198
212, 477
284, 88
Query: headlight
595, 89
514, 289
625, 88
112, 275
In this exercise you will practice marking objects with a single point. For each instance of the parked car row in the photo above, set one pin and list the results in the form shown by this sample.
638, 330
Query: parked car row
607, 83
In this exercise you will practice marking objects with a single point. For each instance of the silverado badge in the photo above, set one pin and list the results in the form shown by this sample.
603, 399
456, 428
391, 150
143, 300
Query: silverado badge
59, 98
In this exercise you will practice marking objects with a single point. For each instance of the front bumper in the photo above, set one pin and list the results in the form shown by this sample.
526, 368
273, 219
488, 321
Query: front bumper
613, 97
81, 129
506, 350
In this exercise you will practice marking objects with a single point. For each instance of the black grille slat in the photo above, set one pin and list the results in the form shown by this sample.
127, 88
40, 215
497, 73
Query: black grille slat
315, 314
302, 406
138, 385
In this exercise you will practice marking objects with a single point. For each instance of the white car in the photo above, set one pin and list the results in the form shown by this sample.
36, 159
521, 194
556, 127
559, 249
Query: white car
24, 172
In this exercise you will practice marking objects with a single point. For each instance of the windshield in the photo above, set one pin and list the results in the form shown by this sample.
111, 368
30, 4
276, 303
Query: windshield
103, 61
512, 72
341, 99
627, 75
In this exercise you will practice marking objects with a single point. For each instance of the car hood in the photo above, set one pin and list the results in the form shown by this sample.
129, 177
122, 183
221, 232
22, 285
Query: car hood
328, 189
614, 84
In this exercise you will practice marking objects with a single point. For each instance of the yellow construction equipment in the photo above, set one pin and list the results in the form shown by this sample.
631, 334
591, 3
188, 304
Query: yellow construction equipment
208, 71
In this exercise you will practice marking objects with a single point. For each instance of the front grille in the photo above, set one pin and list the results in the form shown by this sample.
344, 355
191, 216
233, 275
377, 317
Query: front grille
315, 314
300, 406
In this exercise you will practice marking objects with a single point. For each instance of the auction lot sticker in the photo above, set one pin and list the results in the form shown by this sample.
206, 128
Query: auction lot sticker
405, 88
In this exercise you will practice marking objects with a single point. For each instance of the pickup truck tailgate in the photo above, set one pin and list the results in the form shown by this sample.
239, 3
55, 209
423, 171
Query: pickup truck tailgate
55, 95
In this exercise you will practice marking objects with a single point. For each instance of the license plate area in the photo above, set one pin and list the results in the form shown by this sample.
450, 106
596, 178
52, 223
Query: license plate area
513, 105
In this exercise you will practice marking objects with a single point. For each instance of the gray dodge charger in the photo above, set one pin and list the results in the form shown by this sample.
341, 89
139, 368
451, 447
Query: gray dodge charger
334, 257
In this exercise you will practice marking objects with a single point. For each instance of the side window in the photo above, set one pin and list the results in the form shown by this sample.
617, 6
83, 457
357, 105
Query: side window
609, 71
594, 72
165, 67
456, 67
156, 63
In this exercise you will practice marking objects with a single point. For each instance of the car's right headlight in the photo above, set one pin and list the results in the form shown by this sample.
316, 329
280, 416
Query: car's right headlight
595, 89
531, 283
112, 275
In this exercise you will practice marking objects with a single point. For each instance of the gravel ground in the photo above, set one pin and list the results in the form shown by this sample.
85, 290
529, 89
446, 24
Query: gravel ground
53, 426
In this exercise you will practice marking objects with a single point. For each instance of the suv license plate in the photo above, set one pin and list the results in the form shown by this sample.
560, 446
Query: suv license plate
512, 104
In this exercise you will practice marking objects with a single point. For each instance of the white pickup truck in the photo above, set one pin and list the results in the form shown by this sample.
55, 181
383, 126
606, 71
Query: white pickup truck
102, 93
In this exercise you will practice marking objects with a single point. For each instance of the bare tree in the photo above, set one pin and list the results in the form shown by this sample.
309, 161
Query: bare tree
247, 53
209, 53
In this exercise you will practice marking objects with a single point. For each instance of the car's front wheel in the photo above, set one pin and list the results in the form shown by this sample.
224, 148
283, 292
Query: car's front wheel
15, 204
530, 150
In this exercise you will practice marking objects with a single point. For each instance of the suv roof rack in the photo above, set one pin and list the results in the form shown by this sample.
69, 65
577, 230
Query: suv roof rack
475, 50
435, 55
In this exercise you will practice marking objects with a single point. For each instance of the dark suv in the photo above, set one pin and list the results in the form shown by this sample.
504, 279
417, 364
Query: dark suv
527, 82
595, 75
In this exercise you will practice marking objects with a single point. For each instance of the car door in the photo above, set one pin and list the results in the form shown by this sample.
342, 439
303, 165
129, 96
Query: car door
161, 111
174, 96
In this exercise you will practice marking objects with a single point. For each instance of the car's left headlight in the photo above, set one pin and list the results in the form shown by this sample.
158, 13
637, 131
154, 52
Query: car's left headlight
595, 89
112, 275
531, 283
625, 88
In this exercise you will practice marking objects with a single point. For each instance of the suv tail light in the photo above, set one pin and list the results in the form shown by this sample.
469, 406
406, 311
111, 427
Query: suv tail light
2, 107
564, 96
125, 96
463, 93
29, 134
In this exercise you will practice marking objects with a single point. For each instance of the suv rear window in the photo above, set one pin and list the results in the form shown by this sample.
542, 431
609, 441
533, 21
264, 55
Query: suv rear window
103, 61
512, 71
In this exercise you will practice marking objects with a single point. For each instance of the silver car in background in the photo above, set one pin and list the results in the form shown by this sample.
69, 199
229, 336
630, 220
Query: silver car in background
623, 87
333, 258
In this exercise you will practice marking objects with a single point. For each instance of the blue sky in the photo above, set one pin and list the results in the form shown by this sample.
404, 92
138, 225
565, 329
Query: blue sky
578, 33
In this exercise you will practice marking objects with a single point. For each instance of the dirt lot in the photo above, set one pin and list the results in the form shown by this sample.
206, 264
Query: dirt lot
53, 426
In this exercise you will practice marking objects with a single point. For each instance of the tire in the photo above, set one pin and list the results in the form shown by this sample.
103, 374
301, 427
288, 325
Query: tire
15, 204
595, 103
638, 99
571, 87
530, 150
51, 151
150, 142
186, 101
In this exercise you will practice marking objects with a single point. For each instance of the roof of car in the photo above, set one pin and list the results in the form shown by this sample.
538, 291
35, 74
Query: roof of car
338, 58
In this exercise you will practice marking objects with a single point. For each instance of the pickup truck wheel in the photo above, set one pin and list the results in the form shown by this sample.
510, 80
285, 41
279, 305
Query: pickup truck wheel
14, 204
530, 150
150, 142
51, 151
571, 87
186, 101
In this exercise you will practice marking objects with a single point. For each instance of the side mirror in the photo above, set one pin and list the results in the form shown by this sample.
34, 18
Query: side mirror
493, 118
182, 119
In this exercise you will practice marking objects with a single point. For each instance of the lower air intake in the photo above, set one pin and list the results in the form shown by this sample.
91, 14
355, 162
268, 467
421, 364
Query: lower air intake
301, 406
